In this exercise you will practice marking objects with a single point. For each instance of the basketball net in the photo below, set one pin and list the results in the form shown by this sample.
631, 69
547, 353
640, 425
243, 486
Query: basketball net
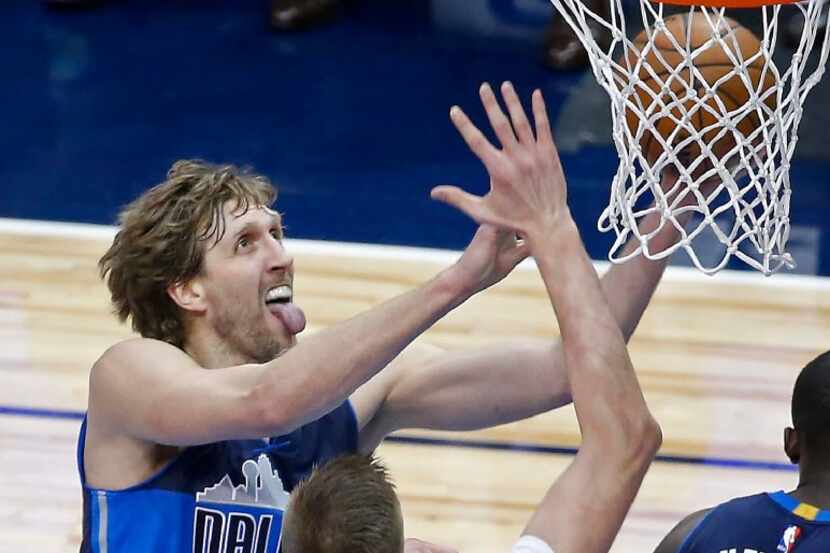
740, 197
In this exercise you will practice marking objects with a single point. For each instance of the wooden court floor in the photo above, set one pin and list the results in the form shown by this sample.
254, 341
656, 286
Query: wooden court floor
717, 358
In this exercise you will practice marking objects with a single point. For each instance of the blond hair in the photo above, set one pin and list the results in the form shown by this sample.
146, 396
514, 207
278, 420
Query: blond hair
347, 505
163, 237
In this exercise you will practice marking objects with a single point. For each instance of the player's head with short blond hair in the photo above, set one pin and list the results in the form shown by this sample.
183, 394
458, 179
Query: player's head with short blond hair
347, 505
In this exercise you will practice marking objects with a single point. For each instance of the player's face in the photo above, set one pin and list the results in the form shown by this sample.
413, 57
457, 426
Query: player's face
248, 281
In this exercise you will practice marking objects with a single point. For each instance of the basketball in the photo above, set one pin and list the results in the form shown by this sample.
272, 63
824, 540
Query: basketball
697, 99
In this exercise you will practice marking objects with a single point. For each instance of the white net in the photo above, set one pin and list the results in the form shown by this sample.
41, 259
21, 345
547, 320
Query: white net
698, 96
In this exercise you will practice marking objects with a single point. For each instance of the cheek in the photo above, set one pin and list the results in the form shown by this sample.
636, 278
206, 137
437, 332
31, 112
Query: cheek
232, 290
239, 297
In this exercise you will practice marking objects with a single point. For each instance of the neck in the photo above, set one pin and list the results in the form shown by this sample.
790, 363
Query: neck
814, 488
211, 352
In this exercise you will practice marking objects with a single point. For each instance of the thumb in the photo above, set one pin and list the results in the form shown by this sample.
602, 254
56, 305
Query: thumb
452, 195
464, 201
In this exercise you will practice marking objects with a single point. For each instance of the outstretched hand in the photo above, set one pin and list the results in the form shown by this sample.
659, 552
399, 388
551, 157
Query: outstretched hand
527, 185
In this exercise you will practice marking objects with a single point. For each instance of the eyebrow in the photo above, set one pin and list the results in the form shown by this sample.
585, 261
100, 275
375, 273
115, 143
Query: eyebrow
275, 220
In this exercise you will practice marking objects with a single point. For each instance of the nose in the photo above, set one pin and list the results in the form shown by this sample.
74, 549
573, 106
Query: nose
278, 257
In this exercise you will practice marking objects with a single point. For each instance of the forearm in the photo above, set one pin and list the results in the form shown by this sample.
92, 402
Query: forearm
595, 355
321, 371
628, 287
618, 435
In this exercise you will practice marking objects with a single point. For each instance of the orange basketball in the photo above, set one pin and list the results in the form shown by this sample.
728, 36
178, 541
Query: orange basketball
712, 64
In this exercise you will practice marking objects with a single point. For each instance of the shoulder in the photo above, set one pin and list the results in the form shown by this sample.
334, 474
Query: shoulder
128, 383
682, 530
138, 352
127, 349
743, 508
739, 512
131, 364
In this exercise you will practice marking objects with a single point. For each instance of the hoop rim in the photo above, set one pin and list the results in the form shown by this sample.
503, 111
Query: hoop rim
730, 3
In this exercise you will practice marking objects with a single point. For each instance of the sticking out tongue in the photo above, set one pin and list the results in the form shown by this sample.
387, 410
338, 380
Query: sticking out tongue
291, 316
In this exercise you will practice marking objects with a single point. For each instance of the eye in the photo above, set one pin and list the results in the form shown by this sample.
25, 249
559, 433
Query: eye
243, 242
276, 233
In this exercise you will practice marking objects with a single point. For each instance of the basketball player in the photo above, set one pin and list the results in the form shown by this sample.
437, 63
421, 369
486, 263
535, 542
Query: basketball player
171, 454
585, 507
779, 522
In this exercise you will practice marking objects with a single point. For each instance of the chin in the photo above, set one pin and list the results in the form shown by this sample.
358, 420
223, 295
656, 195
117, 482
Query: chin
285, 345
273, 348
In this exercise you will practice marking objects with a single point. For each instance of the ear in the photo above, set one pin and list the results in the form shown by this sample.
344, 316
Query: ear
792, 446
189, 295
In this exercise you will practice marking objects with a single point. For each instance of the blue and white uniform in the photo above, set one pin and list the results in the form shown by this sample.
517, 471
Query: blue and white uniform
224, 497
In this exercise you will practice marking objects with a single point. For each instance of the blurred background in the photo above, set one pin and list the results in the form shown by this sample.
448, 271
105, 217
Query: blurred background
347, 116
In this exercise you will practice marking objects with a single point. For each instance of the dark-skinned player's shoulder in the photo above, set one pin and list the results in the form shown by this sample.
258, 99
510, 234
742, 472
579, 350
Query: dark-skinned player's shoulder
674, 539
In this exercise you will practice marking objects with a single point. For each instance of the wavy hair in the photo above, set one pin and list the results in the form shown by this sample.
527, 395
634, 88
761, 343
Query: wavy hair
163, 237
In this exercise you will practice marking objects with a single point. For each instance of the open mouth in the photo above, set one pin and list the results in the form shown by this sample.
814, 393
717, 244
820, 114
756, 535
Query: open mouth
279, 301
279, 295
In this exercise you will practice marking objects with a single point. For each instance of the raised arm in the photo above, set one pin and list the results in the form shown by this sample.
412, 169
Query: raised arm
619, 435
465, 390
183, 404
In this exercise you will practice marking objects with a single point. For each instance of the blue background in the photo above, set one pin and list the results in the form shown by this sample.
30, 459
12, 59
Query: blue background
349, 120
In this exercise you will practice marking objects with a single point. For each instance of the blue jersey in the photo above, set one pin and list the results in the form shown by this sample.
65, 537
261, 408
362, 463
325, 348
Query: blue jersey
224, 497
764, 523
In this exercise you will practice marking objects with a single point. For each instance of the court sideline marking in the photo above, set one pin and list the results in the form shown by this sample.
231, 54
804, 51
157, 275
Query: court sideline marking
496, 445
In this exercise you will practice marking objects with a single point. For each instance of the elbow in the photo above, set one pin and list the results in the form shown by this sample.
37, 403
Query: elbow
642, 438
628, 438
632, 442
650, 436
